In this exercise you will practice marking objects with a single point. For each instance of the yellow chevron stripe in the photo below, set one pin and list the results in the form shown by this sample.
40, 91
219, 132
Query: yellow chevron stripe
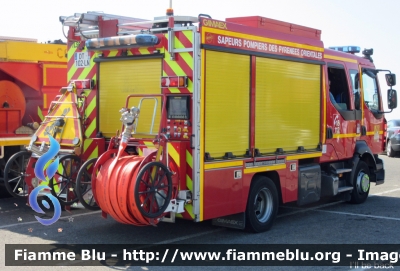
174, 154
188, 59
72, 69
189, 209
89, 129
174, 65
189, 35
113, 53
189, 159
174, 90
185, 55
189, 183
143, 51
86, 70
90, 107
178, 43
95, 152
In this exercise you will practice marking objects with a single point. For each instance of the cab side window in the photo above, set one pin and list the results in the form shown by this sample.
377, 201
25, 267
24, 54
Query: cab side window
338, 87
370, 90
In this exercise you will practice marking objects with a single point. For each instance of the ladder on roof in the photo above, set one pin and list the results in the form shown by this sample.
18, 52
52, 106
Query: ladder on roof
87, 24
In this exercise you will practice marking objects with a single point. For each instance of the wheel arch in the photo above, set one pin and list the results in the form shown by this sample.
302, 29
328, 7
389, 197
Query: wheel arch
263, 201
363, 152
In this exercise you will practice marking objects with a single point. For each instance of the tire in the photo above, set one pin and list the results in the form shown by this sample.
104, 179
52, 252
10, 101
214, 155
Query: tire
389, 150
84, 185
153, 193
262, 205
14, 174
361, 183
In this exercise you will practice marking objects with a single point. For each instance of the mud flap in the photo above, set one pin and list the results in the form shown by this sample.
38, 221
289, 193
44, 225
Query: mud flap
236, 221
380, 171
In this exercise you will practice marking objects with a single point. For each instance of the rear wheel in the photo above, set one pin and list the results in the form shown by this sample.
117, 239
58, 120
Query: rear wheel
84, 185
361, 183
262, 204
389, 150
15, 173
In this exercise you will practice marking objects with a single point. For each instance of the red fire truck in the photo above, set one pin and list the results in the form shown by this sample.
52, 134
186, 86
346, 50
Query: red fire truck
223, 120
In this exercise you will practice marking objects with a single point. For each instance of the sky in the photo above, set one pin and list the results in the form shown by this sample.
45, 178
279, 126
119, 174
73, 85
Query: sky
364, 23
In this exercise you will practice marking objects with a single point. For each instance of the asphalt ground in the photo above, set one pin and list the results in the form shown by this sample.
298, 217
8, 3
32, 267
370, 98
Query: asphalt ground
377, 221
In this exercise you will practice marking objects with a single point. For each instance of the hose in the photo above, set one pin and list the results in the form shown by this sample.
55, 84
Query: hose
133, 189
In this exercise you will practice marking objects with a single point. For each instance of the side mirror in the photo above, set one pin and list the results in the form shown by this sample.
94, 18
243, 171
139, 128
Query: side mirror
392, 99
390, 79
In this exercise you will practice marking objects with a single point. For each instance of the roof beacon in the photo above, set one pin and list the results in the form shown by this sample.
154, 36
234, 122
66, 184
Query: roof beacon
170, 11
347, 49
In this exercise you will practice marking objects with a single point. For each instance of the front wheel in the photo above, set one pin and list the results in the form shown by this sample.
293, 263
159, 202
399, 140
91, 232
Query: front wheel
361, 183
262, 205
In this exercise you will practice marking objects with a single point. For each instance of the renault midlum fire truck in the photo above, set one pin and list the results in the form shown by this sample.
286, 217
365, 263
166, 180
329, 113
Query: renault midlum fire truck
224, 120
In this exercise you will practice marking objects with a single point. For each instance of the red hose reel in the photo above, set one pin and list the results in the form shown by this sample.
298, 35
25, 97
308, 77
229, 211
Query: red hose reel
134, 189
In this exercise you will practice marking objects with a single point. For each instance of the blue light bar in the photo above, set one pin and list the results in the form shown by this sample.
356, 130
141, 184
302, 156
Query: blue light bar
347, 49
129, 40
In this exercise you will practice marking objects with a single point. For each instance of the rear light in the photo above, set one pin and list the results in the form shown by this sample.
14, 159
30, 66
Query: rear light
174, 81
395, 132
83, 84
